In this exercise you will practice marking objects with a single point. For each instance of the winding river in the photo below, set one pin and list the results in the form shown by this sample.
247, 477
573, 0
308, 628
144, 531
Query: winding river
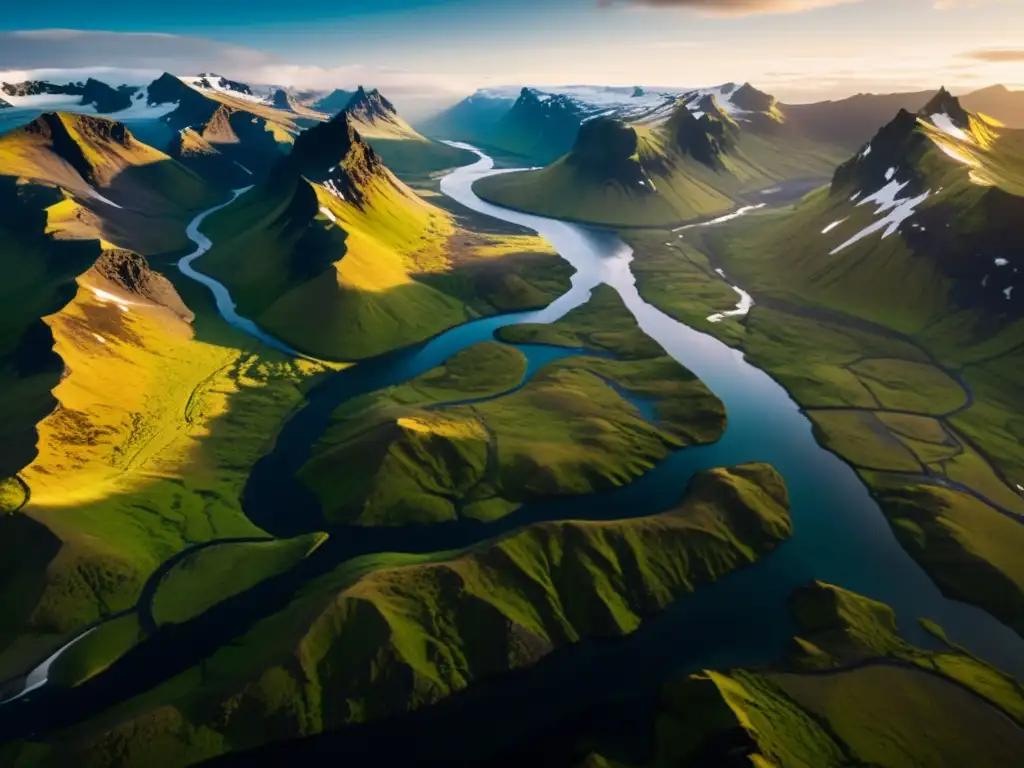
840, 534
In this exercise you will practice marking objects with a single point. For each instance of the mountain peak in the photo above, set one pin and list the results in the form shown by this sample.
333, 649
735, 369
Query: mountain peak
281, 100
704, 138
946, 103
368, 106
749, 98
333, 153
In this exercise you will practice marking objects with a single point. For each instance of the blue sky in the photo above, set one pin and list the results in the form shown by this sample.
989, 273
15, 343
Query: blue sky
818, 52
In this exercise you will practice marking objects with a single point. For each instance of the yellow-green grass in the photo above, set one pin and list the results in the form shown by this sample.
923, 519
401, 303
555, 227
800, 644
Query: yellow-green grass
390, 273
853, 693
158, 425
970, 549
215, 573
401, 455
602, 324
994, 421
676, 186
903, 385
860, 438
96, 651
969, 468
400, 632
924, 435
796, 334
906, 718
483, 370
12, 495
565, 192
157, 194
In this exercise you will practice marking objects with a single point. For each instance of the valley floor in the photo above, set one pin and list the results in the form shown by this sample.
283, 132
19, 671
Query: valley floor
930, 424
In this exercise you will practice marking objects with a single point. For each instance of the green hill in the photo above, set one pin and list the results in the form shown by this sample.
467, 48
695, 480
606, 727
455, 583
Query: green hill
386, 634
420, 453
405, 152
852, 693
692, 165
337, 257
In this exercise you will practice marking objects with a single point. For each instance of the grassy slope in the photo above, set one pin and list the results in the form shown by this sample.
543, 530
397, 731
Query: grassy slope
899, 350
411, 453
159, 425
390, 633
685, 188
210, 575
402, 270
157, 195
853, 693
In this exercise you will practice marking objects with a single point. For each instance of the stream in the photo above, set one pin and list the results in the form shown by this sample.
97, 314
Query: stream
840, 534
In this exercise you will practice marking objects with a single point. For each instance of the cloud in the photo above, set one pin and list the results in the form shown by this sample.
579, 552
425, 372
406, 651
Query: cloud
945, 5
734, 7
995, 54
71, 48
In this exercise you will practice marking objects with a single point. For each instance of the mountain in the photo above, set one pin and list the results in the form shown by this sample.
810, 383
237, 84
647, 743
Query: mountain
210, 81
282, 100
404, 150
5, 104
699, 157
999, 102
70, 186
42, 88
376, 118
333, 102
137, 195
332, 242
909, 262
952, 186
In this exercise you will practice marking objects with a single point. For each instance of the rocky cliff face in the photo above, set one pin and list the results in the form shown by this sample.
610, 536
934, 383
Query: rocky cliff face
334, 154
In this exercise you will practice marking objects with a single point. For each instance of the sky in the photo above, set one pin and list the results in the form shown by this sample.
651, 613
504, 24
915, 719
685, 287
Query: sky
799, 50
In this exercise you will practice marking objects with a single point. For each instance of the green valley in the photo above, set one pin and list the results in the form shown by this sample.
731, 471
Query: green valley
388, 633
903, 347
686, 166
471, 439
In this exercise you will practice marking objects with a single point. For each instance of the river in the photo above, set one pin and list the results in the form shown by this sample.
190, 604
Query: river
840, 534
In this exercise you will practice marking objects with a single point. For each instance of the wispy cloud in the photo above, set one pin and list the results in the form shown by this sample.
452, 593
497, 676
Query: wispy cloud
995, 54
733, 7
62, 48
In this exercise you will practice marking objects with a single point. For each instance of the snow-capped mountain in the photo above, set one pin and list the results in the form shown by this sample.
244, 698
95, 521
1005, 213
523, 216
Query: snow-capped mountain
210, 81
541, 122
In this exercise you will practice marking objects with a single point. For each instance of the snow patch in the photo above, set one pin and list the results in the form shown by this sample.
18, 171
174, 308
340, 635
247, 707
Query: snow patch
242, 167
945, 123
897, 210
1001, 262
744, 305
833, 225
102, 199
99, 338
1009, 293
889, 174
326, 212
330, 187
722, 219
855, 196
866, 152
